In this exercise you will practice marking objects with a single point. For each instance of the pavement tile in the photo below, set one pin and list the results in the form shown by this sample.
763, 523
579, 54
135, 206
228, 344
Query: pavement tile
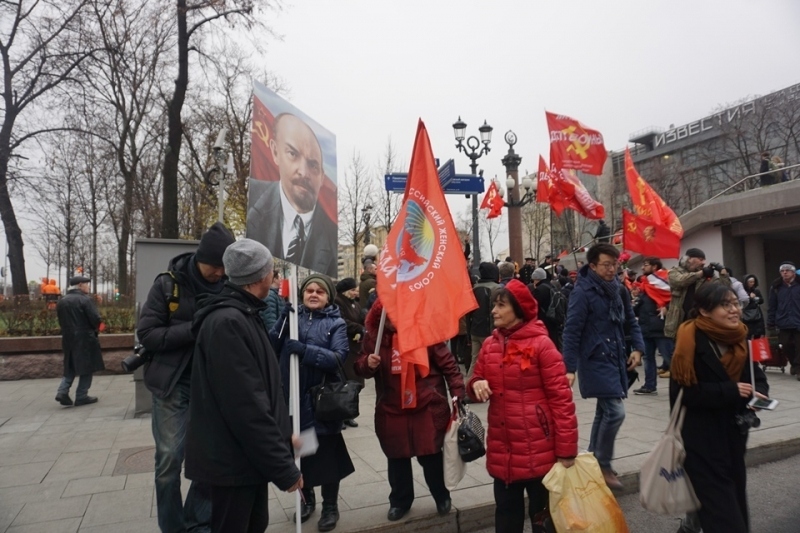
24, 474
78, 465
52, 510
98, 439
8, 512
58, 441
66, 525
17, 457
144, 525
11, 441
118, 506
135, 481
94, 485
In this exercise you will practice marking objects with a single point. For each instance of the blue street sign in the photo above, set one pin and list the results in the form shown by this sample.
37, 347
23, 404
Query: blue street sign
446, 173
456, 184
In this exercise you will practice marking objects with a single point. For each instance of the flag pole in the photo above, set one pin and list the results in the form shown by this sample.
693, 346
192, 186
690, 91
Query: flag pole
752, 365
294, 386
380, 332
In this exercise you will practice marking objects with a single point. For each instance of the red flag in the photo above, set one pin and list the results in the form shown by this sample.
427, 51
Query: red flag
760, 349
542, 182
574, 146
493, 201
656, 286
647, 203
422, 276
644, 236
563, 254
571, 193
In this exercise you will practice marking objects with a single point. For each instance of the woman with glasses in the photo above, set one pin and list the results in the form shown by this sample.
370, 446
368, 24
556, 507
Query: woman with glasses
532, 421
711, 365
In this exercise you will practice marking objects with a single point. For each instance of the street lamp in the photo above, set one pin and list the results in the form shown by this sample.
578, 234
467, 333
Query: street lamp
365, 216
474, 151
220, 168
514, 203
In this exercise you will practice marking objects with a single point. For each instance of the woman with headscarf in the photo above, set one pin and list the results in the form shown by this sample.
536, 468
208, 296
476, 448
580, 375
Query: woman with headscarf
322, 347
347, 301
532, 422
410, 432
711, 364
752, 316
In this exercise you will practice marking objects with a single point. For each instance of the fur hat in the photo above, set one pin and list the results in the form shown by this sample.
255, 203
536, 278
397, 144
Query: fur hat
345, 285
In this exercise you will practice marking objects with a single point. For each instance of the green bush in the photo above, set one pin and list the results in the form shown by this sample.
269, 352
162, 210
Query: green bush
23, 317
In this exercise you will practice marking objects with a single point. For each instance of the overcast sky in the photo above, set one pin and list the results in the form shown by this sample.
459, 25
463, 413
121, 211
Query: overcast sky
368, 69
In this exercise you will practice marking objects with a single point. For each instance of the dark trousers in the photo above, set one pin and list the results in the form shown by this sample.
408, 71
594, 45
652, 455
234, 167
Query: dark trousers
401, 479
790, 338
239, 509
509, 513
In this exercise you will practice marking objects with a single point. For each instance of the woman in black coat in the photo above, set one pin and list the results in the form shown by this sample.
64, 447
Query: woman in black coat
347, 300
711, 364
752, 315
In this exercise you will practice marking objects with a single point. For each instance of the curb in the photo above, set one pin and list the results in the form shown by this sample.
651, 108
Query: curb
477, 517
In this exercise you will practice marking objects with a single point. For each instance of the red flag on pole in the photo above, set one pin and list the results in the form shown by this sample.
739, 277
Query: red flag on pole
422, 276
760, 349
491, 193
571, 193
542, 182
574, 146
656, 286
647, 203
642, 235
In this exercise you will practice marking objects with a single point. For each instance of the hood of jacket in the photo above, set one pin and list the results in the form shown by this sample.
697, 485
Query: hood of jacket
373, 319
366, 275
531, 328
231, 296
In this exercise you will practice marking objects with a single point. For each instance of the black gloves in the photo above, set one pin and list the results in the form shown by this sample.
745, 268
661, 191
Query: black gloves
295, 346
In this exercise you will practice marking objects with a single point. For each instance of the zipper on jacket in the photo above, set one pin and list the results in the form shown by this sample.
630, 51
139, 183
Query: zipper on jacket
540, 414
505, 428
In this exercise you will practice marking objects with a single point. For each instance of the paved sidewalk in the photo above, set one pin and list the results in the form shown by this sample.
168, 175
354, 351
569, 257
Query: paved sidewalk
90, 468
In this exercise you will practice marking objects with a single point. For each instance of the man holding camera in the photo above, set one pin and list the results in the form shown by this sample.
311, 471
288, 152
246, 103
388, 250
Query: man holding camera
165, 331
684, 280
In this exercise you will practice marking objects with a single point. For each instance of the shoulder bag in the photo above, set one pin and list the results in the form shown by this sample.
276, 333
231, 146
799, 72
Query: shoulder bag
470, 435
336, 400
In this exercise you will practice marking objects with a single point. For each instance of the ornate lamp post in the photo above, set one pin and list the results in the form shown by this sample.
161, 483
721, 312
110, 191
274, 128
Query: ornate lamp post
514, 203
365, 216
474, 151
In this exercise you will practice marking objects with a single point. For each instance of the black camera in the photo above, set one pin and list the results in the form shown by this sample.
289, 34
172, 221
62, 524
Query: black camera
137, 359
746, 420
717, 267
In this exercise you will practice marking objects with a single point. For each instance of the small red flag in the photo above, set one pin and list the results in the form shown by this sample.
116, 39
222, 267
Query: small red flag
644, 236
646, 202
542, 182
491, 193
571, 193
760, 349
574, 146
423, 281
657, 288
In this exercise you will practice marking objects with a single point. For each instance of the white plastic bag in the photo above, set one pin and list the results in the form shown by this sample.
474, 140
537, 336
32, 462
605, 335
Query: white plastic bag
454, 467
664, 486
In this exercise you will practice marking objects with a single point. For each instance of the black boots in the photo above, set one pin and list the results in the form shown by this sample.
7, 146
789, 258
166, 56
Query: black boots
330, 507
308, 506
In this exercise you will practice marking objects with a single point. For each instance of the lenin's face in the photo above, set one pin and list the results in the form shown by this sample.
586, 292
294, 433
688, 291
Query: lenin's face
299, 158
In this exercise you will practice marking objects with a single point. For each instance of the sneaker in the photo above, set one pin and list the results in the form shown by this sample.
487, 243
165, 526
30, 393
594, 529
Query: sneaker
664, 374
645, 390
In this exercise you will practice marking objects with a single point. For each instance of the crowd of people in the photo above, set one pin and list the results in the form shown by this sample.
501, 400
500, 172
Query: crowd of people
216, 329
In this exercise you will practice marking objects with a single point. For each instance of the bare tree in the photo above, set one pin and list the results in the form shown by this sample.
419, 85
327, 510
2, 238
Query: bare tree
492, 228
535, 226
40, 46
192, 19
354, 195
388, 203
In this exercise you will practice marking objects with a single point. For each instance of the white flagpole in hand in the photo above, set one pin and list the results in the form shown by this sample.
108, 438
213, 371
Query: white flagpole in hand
294, 386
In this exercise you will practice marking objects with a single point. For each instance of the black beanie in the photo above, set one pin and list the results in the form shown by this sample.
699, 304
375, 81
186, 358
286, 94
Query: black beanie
345, 285
489, 271
695, 252
213, 245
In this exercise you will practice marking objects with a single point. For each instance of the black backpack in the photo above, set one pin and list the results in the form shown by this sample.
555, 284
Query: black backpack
557, 310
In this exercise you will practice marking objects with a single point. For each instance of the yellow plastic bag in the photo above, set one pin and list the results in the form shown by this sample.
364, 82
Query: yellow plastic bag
580, 500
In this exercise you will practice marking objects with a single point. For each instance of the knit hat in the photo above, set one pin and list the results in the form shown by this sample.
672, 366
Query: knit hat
695, 252
787, 265
246, 261
213, 244
77, 280
524, 298
489, 271
539, 273
322, 280
345, 285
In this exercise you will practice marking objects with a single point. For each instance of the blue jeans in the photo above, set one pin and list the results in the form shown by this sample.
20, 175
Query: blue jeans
608, 417
84, 382
665, 347
170, 417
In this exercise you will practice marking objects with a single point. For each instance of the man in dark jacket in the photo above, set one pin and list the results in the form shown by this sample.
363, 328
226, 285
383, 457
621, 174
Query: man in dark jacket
784, 312
165, 330
79, 322
594, 346
481, 323
542, 291
239, 434
603, 233
369, 282
527, 269
651, 322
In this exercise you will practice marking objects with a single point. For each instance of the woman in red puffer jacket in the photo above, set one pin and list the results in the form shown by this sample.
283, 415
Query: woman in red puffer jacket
532, 422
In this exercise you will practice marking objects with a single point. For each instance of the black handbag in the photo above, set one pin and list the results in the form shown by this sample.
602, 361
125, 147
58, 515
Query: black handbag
470, 435
752, 315
335, 401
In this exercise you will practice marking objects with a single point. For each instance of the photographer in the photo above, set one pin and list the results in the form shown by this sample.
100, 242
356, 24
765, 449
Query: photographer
165, 331
684, 280
710, 363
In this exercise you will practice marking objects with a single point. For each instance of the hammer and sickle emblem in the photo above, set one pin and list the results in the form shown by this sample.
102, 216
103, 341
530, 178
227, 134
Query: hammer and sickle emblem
262, 131
576, 146
631, 226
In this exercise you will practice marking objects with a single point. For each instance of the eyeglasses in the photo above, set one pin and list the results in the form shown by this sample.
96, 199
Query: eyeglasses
731, 306
608, 265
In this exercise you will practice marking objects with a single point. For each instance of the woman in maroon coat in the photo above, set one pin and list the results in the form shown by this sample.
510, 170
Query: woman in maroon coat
532, 422
416, 432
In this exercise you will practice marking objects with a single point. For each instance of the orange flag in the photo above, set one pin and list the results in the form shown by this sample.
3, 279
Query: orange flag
422, 276
574, 146
647, 203
640, 234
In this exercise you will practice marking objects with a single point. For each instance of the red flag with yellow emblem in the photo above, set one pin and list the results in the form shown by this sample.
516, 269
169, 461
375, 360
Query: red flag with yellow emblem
640, 234
492, 201
542, 182
647, 203
422, 276
574, 146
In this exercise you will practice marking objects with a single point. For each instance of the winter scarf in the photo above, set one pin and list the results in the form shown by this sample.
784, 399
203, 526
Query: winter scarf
682, 366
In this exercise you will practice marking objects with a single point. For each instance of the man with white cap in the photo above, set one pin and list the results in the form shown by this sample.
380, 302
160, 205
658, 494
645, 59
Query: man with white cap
784, 312
239, 434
